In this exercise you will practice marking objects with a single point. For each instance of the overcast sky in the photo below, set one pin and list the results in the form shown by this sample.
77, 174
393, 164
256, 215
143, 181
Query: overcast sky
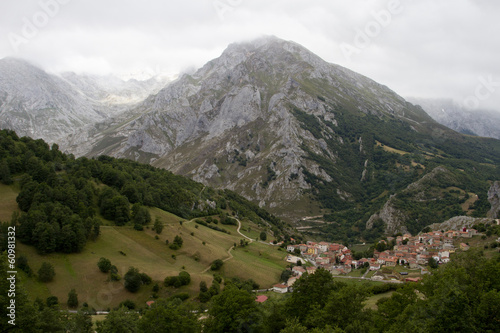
423, 48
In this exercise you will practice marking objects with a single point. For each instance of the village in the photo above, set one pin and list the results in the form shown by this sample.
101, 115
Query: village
411, 252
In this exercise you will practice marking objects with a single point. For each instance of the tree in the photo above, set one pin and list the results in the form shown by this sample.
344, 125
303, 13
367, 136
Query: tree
46, 272
72, 299
119, 321
52, 301
178, 281
5, 176
313, 290
158, 226
22, 263
133, 280
177, 243
81, 322
294, 326
214, 288
263, 235
285, 275
169, 316
140, 215
146, 279
128, 304
234, 310
203, 286
104, 264
185, 278
433, 263
216, 265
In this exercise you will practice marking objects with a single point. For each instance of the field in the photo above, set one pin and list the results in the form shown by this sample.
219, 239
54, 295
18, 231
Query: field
126, 247
8, 204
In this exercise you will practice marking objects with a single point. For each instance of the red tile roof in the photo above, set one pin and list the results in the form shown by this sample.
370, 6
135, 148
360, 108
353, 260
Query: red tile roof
261, 298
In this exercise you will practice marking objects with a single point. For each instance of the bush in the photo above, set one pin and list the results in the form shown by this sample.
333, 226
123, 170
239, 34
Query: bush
185, 278
146, 279
177, 281
46, 272
52, 301
177, 243
22, 263
216, 265
128, 304
204, 296
181, 296
133, 280
158, 226
104, 265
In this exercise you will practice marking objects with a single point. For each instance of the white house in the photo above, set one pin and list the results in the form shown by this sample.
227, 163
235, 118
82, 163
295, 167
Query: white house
280, 288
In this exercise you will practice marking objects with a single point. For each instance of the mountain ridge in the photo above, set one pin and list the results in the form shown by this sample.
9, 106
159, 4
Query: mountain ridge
275, 123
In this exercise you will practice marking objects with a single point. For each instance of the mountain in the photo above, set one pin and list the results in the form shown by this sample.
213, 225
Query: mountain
300, 136
41, 105
449, 113
113, 92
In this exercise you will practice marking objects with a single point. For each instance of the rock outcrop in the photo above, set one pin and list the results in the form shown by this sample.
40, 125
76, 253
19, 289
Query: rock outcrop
459, 222
494, 199
394, 219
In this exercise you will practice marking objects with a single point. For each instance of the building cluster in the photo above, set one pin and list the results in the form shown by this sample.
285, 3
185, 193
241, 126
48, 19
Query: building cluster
408, 250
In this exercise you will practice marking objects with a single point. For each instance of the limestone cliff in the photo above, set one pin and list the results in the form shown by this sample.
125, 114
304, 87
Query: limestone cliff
494, 199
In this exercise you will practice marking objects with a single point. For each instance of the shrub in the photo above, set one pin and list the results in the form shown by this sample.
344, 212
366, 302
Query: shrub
133, 280
216, 265
46, 272
22, 263
146, 279
104, 265
52, 301
177, 281
181, 296
128, 304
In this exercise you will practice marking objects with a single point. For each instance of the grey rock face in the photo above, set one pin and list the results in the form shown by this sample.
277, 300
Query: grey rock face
41, 105
232, 124
393, 218
494, 199
459, 222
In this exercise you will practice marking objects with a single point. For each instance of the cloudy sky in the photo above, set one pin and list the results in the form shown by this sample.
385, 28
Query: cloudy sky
424, 48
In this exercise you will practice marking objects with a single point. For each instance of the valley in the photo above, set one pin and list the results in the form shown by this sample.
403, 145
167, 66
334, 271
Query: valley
192, 194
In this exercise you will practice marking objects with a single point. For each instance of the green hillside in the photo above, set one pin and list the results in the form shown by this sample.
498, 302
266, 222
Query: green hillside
259, 262
72, 212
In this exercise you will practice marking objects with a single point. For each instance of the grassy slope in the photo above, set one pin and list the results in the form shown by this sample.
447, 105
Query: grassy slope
260, 262
8, 204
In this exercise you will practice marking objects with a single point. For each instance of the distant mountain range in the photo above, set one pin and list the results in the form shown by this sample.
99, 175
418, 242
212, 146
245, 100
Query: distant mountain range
275, 123
40, 105
451, 114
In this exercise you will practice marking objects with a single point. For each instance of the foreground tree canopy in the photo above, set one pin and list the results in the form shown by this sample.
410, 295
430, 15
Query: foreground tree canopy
462, 296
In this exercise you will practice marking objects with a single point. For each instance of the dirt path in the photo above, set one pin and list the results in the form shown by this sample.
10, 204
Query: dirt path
224, 260
238, 230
